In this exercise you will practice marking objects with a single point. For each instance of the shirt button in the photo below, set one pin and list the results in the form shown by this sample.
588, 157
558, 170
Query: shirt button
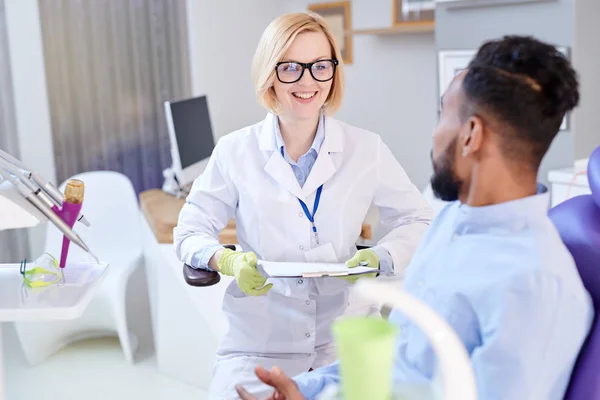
307, 335
420, 283
300, 214
300, 281
455, 236
308, 302
301, 247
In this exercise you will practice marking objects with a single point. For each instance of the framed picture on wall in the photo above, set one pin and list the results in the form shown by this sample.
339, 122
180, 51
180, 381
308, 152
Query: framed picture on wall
413, 11
337, 15
451, 62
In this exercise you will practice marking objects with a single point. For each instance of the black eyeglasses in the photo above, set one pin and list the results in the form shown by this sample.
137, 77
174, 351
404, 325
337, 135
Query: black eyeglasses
291, 71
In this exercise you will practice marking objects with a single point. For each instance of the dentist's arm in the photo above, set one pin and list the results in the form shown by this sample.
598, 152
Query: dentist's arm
209, 206
404, 213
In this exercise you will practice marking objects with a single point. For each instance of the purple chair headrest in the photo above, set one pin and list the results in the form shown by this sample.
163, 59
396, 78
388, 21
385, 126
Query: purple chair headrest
578, 221
593, 172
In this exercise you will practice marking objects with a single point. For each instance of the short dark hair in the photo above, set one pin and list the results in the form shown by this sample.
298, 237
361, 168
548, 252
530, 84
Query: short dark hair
527, 86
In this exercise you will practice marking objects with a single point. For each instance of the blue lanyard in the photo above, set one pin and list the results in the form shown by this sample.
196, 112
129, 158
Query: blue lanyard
311, 217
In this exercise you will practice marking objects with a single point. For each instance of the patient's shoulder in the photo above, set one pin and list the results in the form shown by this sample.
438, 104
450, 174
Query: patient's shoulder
529, 266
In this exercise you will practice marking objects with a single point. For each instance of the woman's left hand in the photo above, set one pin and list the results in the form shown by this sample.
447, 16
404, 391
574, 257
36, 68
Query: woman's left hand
362, 257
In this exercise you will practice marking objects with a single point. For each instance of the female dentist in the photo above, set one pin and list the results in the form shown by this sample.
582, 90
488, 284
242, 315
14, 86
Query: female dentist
299, 184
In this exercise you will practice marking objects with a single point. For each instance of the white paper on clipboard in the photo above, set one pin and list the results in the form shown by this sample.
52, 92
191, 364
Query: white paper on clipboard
310, 270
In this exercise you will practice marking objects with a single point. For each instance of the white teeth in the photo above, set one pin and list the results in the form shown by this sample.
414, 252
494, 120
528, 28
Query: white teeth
304, 95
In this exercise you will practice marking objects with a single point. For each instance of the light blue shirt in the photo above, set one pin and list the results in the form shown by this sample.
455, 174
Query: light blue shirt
305, 163
502, 278
301, 169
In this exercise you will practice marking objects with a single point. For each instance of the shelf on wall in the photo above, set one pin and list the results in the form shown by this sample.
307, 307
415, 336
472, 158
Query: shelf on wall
452, 4
406, 28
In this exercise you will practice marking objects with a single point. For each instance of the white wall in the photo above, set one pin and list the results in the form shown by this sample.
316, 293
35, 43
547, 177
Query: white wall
391, 89
586, 59
30, 96
223, 36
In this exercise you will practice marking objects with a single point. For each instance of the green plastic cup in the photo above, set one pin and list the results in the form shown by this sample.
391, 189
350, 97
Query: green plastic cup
365, 348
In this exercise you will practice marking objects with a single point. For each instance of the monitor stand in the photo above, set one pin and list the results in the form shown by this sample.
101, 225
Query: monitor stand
171, 184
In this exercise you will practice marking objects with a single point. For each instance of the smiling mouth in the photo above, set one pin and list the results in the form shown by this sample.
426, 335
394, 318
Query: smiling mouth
304, 95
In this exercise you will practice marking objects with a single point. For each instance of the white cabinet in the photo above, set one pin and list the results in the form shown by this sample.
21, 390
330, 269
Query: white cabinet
566, 183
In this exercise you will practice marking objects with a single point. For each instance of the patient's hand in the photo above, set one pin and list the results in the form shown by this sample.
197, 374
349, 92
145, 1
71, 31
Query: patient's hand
285, 387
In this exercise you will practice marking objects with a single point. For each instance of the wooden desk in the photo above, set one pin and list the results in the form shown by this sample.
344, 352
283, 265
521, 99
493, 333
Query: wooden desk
162, 211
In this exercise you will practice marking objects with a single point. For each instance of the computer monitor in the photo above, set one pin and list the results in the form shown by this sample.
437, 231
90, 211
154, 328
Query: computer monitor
191, 136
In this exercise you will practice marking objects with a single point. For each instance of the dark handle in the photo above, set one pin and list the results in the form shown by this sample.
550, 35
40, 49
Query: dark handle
202, 277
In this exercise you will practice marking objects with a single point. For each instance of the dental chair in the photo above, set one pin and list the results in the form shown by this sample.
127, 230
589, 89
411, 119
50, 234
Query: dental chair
578, 222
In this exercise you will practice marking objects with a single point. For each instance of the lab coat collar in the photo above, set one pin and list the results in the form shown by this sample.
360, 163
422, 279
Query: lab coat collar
507, 217
333, 141
322, 170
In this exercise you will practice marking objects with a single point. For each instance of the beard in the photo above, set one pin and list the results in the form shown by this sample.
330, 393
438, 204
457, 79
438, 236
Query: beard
444, 183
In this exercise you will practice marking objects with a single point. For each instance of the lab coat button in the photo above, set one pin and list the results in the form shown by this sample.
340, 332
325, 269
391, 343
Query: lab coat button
308, 335
301, 247
420, 283
455, 236
300, 281
300, 214
308, 302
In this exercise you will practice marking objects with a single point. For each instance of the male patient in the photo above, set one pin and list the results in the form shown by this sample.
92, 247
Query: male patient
492, 264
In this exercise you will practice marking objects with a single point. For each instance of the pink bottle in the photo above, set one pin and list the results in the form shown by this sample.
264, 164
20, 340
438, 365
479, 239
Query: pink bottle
69, 212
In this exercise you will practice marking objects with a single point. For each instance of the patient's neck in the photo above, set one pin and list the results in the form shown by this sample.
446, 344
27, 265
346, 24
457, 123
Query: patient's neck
298, 134
497, 185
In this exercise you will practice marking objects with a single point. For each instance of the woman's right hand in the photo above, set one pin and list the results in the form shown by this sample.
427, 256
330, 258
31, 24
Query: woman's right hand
243, 267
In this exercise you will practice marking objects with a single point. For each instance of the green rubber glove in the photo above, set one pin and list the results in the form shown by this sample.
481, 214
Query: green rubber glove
364, 255
243, 267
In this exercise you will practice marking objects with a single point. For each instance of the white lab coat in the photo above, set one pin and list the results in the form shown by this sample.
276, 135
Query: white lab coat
248, 178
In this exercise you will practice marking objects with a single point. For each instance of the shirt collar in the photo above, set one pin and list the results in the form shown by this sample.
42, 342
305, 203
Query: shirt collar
317, 142
510, 216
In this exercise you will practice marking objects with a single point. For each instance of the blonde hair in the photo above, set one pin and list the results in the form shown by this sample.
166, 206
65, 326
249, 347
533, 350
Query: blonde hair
275, 42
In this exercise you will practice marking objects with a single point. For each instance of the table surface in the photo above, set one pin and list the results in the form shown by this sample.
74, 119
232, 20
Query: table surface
64, 300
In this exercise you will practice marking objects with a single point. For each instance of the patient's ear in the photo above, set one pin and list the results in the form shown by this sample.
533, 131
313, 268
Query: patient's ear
472, 137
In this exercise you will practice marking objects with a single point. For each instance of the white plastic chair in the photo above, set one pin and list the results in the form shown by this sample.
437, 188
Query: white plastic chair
110, 205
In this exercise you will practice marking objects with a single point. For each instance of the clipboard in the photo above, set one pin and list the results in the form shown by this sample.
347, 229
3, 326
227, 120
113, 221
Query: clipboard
310, 270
